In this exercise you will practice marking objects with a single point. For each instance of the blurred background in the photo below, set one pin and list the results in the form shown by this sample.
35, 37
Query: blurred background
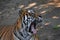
49, 10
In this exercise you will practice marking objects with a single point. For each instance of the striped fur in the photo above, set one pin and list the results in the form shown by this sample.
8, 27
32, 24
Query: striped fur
7, 32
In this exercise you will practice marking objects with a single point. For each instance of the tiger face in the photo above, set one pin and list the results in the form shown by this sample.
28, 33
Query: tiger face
30, 19
34, 19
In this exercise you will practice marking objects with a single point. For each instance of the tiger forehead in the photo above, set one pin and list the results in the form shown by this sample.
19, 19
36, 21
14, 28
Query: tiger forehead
25, 12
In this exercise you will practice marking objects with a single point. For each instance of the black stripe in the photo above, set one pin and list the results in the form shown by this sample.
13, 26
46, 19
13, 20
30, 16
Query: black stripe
17, 36
24, 22
20, 33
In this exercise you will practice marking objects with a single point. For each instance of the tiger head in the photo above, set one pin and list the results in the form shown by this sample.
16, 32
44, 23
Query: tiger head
30, 19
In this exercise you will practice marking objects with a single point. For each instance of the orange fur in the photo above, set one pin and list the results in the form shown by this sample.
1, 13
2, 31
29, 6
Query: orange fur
6, 32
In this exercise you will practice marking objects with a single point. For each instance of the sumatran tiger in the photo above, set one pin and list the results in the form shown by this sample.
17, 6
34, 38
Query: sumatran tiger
24, 28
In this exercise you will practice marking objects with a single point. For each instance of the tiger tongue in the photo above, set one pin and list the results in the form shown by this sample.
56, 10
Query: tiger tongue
34, 30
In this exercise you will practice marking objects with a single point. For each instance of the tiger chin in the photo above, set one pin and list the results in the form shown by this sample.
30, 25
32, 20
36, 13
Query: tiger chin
7, 32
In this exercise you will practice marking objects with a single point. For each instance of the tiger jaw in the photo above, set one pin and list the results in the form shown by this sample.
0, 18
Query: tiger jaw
32, 28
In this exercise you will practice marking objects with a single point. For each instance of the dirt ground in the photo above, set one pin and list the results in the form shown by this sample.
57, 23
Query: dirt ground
50, 14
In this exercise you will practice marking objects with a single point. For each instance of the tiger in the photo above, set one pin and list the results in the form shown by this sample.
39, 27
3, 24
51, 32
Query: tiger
25, 27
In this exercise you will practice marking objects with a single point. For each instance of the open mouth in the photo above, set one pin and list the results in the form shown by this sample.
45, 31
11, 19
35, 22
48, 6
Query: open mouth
32, 28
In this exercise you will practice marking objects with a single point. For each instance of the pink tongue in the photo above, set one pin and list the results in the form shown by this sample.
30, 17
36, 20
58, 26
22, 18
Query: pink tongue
34, 30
